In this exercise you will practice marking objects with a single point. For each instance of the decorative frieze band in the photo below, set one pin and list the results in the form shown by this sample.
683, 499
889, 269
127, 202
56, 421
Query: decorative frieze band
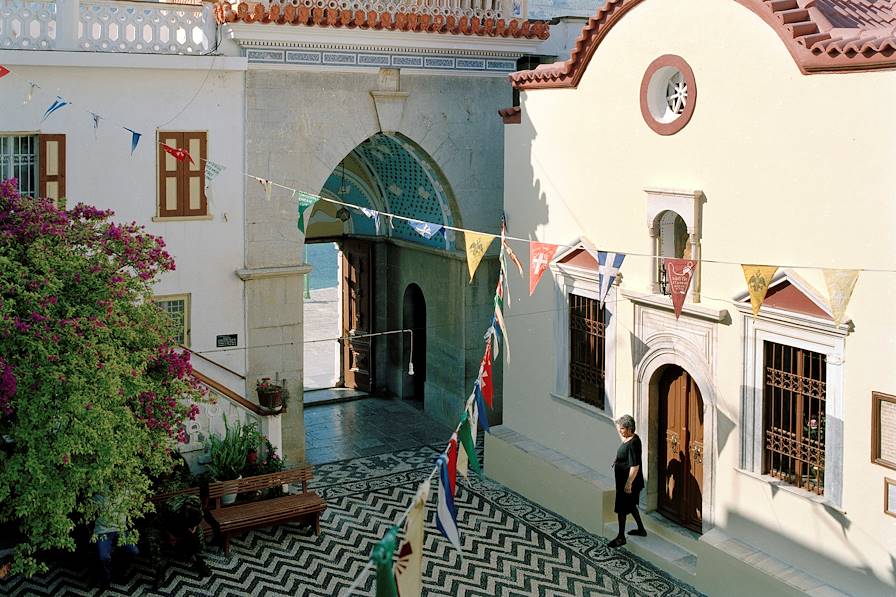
380, 60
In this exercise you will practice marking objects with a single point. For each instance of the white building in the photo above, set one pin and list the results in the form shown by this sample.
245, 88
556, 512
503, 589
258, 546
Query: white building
770, 441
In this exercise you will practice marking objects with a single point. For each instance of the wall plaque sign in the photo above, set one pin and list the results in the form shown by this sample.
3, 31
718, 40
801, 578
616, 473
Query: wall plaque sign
226, 340
883, 430
890, 496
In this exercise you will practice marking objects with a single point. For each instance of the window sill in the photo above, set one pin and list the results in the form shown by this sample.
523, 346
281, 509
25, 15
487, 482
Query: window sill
586, 408
662, 301
777, 484
182, 218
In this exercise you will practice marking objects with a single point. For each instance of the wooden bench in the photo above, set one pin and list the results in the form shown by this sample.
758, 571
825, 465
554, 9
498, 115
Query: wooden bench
244, 516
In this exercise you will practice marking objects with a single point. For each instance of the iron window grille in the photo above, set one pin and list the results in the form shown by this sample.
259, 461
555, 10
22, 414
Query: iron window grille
587, 352
794, 416
18, 159
177, 310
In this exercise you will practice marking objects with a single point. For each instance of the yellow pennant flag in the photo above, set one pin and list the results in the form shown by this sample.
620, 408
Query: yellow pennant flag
409, 566
477, 244
758, 278
840, 283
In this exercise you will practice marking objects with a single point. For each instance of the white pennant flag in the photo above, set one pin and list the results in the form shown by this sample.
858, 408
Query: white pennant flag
840, 283
268, 187
409, 566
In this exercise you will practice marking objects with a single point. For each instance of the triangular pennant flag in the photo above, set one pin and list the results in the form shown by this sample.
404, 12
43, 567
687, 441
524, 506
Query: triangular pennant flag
57, 104
268, 187
3, 71
481, 414
485, 375
424, 229
31, 87
468, 445
179, 154
540, 257
410, 555
679, 273
477, 244
212, 169
473, 410
758, 278
840, 283
382, 556
135, 138
373, 214
451, 453
499, 318
446, 515
505, 246
606, 274
306, 200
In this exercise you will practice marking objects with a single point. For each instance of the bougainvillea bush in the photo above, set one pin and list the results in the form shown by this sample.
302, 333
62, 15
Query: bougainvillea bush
93, 394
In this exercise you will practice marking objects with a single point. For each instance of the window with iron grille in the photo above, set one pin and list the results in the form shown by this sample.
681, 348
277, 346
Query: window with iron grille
587, 354
794, 415
18, 159
178, 308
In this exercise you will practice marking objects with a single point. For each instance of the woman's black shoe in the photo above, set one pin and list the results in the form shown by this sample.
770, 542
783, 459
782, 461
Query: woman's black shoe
638, 533
617, 542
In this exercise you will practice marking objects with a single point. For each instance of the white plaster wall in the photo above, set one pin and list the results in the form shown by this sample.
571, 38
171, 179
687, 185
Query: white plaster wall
796, 170
102, 171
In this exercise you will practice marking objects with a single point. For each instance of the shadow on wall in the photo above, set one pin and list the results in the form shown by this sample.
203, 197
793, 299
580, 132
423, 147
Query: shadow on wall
854, 580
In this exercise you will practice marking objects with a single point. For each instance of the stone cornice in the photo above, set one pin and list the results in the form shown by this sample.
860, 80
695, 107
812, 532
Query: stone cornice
259, 273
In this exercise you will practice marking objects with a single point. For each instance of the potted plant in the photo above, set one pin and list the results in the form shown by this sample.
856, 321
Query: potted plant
228, 455
270, 394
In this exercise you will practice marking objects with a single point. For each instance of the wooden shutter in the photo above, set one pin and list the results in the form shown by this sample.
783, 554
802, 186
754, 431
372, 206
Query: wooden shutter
169, 177
193, 194
51, 165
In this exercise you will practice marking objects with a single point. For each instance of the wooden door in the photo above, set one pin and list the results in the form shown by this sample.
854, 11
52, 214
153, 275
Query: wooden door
357, 309
681, 449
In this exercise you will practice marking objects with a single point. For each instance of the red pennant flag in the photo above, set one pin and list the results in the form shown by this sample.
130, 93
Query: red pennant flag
678, 274
179, 154
452, 462
540, 256
485, 376
3, 71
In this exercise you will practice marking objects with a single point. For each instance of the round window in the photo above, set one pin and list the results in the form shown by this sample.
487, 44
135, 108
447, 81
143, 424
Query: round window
668, 94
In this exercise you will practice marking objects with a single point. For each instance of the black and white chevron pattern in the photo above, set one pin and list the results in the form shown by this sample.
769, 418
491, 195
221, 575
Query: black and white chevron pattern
512, 547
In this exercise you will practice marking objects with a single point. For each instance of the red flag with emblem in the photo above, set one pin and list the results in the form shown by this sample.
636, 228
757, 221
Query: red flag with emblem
540, 256
3, 71
179, 154
485, 376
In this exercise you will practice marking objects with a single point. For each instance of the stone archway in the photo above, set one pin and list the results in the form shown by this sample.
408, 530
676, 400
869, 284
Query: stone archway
664, 350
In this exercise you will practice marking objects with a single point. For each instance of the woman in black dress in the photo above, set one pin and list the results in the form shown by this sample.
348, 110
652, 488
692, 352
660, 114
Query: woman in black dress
629, 478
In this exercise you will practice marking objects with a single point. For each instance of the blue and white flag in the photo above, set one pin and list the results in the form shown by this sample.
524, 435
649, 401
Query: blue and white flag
135, 138
57, 104
373, 214
609, 267
425, 229
446, 515
480, 407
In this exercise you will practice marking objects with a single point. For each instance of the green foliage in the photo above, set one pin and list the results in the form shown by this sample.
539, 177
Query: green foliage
92, 392
228, 456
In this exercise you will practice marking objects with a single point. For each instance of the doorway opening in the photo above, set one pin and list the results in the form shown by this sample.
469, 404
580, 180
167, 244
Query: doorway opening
680, 454
321, 316
414, 345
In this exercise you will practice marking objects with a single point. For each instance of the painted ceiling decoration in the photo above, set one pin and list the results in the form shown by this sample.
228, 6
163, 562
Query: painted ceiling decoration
486, 25
822, 36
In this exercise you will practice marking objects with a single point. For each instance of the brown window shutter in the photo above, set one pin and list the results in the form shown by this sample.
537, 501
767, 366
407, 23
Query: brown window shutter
51, 165
170, 177
194, 200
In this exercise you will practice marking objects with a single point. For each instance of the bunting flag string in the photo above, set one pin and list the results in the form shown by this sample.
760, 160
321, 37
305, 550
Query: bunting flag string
57, 104
467, 446
446, 515
758, 278
212, 170
306, 200
268, 187
96, 122
3, 71
505, 246
481, 414
382, 556
477, 244
179, 154
499, 317
425, 229
606, 274
485, 375
840, 283
135, 138
451, 453
31, 87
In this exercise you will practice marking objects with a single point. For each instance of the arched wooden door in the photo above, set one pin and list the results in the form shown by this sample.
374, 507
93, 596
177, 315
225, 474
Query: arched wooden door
681, 449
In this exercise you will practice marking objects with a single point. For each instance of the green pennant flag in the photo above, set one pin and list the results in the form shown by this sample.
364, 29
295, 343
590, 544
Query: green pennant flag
381, 557
306, 200
466, 439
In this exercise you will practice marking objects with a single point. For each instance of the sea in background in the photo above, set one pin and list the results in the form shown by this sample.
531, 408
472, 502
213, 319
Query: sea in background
324, 260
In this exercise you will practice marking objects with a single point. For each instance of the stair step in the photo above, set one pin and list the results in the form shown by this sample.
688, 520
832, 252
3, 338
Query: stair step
657, 550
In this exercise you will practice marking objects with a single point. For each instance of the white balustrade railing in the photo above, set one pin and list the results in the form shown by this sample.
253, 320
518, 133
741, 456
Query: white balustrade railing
27, 25
107, 26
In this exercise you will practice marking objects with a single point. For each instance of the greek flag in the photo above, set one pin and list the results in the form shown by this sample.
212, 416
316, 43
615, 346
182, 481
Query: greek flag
446, 515
425, 229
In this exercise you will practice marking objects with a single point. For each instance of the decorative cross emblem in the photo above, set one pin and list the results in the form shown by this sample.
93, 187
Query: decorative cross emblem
540, 261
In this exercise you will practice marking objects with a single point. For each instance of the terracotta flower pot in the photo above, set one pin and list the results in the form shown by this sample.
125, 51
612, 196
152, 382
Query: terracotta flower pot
270, 398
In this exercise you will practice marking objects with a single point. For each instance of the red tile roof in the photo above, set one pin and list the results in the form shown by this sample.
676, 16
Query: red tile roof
823, 36
281, 14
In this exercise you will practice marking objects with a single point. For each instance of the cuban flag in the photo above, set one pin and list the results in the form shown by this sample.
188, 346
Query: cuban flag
609, 267
446, 515
425, 229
